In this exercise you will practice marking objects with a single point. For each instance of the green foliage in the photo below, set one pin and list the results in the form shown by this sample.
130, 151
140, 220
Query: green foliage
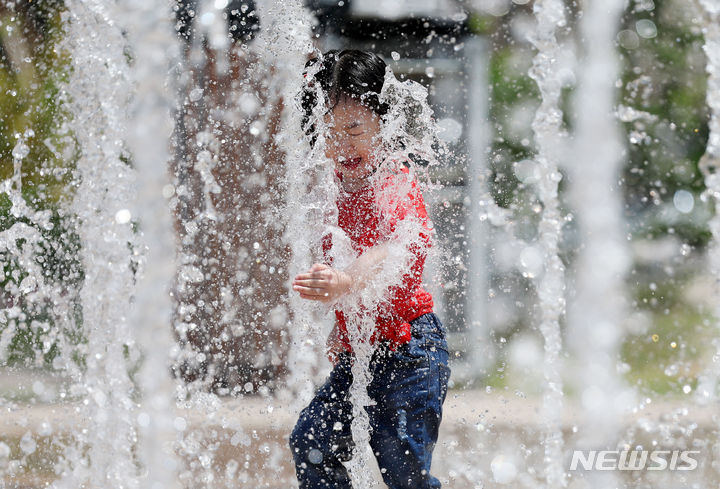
662, 77
31, 71
510, 87
481, 25
661, 101
29, 90
665, 77
671, 350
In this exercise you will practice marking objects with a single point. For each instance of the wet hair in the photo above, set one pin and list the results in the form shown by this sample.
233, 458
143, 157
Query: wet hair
347, 73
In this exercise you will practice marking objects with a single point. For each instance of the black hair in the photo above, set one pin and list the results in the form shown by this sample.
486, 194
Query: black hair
346, 73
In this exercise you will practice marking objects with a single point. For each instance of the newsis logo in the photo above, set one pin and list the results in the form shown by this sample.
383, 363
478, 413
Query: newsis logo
634, 459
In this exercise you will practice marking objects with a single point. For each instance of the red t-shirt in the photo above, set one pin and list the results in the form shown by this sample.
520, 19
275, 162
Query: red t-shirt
367, 221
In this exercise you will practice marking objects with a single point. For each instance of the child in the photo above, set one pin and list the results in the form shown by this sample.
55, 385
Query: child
409, 365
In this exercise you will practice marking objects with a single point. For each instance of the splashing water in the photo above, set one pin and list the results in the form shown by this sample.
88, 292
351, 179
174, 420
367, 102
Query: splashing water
32, 289
123, 428
155, 54
285, 43
312, 191
599, 307
710, 166
547, 126
106, 204
106, 190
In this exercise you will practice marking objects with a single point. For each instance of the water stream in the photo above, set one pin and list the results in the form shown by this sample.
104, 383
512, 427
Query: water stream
155, 66
97, 101
548, 129
710, 166
599, 305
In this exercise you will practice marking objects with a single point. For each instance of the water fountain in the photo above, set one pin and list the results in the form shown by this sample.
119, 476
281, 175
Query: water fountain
103, 205
112, 414
709, 163
599, 305
551, 287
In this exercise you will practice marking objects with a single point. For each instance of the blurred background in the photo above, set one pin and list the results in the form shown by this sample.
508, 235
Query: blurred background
459, 51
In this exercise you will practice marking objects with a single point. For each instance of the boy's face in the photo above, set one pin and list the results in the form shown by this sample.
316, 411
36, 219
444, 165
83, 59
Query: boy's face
352, 140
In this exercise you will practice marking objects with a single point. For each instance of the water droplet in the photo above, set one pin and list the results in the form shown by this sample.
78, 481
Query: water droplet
451, 130
38, 388
628, 39
248, 103
531, 259
315, 456
27, 443
21, 150
196, 94
122, 216
45, 429
646, 28
684, 201
179, 423
503, 469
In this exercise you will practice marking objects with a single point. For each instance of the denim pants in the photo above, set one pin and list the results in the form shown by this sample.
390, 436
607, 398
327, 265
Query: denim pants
409, 386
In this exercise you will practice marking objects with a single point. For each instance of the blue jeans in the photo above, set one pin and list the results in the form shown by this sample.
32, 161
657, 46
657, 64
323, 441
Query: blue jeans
409, 386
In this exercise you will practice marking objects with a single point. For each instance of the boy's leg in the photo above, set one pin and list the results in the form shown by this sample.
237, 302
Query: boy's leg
322, 439
410, 394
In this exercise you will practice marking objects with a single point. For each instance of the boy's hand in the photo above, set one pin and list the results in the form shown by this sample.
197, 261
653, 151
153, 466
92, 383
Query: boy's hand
322, 283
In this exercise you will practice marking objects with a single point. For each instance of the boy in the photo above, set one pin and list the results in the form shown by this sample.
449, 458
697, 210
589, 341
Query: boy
409, 366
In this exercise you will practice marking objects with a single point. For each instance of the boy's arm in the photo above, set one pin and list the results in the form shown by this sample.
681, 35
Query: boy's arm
333, 346
324, 283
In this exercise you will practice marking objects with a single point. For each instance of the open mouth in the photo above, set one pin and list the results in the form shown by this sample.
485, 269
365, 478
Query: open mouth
351, 163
